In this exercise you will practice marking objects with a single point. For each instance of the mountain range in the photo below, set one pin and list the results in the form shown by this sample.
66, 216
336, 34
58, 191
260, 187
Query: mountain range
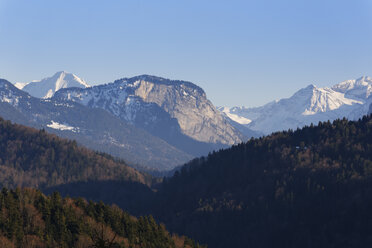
94, 128
350, 99
175, 111
157, 123
309, 187
151, 122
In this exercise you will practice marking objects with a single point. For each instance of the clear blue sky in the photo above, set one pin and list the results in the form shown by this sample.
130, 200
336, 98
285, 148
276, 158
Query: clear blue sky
241, 52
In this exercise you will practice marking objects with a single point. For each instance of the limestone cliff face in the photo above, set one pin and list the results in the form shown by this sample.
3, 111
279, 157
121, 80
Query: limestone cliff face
167, 108
186, 102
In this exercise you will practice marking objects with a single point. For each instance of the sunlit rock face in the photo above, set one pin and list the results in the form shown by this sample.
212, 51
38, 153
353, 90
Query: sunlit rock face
186, 102
148, 102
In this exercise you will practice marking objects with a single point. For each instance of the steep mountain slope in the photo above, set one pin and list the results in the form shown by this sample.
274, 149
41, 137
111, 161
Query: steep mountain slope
31, 219
95, 128
349, 99
46, 87
308, 188
175, 111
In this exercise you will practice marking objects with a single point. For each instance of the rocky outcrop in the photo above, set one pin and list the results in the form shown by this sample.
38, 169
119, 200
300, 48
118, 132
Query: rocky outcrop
188, 103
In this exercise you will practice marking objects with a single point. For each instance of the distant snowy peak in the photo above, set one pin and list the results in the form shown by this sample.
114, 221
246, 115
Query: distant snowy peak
46, 87
316, 100
350, 99
360, 88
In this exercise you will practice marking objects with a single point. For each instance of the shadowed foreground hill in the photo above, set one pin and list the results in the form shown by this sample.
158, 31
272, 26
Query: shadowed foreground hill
30, 219
306, 188
32, 158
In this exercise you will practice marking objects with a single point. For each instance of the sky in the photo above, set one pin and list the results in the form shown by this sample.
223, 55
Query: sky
242, 53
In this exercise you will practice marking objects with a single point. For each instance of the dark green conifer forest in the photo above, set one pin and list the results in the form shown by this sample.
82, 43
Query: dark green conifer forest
30, 219
306, 188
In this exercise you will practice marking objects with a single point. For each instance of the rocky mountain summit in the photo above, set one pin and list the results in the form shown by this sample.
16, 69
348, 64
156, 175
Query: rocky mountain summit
177, 111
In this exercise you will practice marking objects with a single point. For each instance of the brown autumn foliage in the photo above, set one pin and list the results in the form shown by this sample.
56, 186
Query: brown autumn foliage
30, 219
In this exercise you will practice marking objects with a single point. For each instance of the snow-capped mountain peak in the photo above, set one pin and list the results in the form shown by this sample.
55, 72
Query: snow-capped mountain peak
46, 87
360, 88
323, 99
350, 99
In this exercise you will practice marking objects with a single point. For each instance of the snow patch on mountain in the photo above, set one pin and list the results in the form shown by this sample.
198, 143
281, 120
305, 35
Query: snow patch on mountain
63, 127
239, 119
20, 85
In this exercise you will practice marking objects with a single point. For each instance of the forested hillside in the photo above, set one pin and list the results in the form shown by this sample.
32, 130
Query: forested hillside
305, 188
30, 219
34, 158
